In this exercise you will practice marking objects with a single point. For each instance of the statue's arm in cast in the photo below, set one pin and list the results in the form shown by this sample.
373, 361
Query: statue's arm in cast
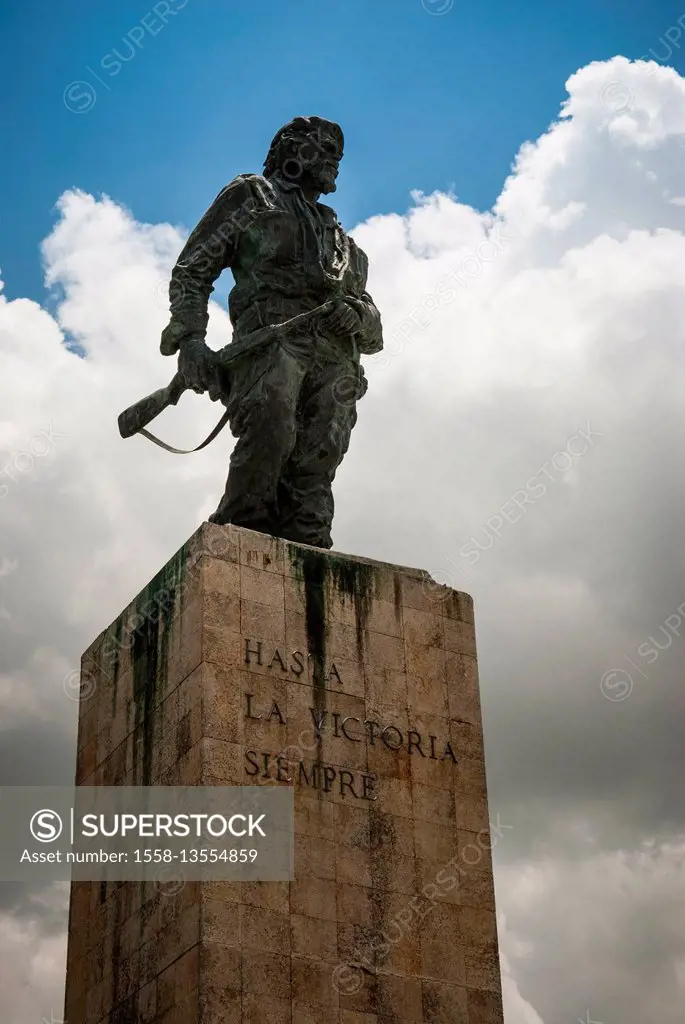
369, 336
210, 249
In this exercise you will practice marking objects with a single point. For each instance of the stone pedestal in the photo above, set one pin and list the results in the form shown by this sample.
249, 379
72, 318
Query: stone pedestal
253, 661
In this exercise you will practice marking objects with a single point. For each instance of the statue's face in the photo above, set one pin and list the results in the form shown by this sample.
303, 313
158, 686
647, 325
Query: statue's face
313, 161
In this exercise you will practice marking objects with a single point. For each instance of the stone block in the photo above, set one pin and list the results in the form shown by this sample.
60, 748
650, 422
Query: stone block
252, 661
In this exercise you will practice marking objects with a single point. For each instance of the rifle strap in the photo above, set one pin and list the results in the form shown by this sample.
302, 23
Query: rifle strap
187, 451
300, 317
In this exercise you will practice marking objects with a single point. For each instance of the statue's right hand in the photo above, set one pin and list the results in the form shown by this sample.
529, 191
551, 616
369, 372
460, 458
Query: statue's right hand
197, 366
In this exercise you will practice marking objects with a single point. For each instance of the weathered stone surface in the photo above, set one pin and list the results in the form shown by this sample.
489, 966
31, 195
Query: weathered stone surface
390, 916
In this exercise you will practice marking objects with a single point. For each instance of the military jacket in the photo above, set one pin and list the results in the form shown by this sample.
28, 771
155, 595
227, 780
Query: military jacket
287, 255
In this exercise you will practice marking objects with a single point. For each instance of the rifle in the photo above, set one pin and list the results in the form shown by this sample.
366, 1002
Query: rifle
135, 419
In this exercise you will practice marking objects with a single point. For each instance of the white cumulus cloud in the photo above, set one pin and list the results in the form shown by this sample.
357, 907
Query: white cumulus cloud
520, 437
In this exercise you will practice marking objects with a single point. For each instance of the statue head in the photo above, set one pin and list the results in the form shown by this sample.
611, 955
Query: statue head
307, 150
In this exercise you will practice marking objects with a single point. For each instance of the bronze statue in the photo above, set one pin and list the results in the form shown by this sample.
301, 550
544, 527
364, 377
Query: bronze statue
301, 316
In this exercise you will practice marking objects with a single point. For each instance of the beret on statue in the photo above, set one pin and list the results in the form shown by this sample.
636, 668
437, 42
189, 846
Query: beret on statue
297, 130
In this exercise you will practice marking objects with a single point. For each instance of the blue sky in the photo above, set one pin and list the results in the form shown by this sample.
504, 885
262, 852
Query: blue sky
428, 101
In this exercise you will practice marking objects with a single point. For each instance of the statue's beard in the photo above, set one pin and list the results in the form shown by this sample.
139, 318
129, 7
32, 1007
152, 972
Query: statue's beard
325, 181
319, 177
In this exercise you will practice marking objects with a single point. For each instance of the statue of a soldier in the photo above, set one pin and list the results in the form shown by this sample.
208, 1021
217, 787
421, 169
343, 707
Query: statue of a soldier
291, 403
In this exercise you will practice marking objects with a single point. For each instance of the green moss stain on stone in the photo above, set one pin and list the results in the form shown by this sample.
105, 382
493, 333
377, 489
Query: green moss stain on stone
312, 569
118, 630
156, 607
145, 695
397, 589
354, 581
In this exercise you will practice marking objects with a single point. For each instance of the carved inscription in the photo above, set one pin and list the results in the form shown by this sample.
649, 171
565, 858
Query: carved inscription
315, 774
289, 766
276, 660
